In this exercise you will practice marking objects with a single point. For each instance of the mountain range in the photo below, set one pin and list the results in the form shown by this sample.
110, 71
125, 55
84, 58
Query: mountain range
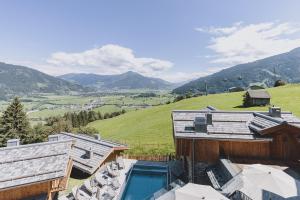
20, 80
263, 72
128, 80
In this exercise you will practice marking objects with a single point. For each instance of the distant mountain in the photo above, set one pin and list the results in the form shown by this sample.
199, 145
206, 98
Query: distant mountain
284, 66
128, 80
20, 80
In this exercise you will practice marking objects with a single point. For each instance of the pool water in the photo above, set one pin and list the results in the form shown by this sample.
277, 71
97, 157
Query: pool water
144, 181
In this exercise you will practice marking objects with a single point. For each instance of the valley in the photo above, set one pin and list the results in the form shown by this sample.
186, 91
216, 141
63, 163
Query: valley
41, 106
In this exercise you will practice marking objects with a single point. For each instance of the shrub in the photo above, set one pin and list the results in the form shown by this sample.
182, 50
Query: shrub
279, 83
246, 100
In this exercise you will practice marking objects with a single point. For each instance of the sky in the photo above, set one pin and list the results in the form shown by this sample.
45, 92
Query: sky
177, 40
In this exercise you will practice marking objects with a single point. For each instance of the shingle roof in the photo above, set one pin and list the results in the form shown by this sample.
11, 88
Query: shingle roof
101, 150
26, 164
259, 94
229, 124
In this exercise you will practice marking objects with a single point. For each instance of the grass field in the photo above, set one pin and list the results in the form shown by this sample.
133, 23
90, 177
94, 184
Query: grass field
149, 130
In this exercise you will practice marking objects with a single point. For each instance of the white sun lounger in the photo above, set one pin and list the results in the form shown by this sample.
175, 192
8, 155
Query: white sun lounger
89, 187
112, 173
100, 179
120, 163
115, 184
109, 193
63, 198
79, 194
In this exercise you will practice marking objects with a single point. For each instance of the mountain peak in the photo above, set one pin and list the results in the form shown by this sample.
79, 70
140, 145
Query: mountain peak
131, 73
127, 80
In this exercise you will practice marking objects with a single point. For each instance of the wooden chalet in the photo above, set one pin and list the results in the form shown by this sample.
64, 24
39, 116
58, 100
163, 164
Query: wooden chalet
89, 153
34, 171
207, 135
258, 97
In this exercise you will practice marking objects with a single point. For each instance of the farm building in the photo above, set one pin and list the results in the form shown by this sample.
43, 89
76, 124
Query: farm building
257, 98
207, 135
34, 171
89, 153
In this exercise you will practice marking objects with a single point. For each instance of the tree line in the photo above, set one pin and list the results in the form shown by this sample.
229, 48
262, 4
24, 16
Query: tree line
15, 124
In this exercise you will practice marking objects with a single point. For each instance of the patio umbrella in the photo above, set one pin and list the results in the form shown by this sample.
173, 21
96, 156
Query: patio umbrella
269, 182
195, 192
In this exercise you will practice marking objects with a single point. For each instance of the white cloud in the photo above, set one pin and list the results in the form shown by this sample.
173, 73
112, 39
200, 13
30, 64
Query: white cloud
108, 59
242, 43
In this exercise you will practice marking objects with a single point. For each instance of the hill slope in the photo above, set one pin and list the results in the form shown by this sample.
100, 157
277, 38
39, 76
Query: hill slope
150, 129
128, 80
286, 67
19, 80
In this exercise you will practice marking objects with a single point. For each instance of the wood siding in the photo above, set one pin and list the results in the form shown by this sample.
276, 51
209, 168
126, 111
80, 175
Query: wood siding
207, 150
240, 149
259, 102
283, 147
19, 193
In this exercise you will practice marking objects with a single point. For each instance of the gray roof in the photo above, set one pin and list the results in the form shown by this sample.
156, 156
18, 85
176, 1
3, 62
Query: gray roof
259, 94
26, 164
101, 150
232, 125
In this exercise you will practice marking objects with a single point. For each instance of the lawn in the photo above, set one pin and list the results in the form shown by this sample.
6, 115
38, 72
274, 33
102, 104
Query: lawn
150, 130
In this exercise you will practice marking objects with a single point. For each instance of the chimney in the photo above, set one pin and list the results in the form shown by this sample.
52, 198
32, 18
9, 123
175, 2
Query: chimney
13, 143
209, 118
200, 124
52, 138
97, 136
89, 153
275, 111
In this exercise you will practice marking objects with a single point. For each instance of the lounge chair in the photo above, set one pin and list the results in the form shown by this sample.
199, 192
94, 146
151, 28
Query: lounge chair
100, 179
109, 193
64, 197
120, 163
115, 184
88, 186
79, 194
112, 173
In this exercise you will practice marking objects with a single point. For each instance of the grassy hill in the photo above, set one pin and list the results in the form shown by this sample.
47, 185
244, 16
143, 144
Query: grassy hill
150, 130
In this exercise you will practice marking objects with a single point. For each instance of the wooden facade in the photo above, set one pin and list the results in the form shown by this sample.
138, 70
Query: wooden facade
259, 101
284, 146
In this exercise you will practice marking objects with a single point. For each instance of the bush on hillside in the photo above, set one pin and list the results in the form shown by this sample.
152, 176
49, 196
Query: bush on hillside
279, 83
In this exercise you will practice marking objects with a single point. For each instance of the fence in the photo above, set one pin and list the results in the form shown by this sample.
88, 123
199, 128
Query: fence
149, 157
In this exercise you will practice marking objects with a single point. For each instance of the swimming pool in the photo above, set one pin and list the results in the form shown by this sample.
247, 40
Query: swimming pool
144, 180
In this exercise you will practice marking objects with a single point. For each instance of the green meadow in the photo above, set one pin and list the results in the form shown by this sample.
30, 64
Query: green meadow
149, 131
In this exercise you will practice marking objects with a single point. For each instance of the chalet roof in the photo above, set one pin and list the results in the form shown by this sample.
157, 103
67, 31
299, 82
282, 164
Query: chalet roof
259, 94
232, 125
83, 143
27, 164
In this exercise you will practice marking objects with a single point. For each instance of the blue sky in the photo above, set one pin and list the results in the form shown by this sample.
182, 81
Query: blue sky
172, 39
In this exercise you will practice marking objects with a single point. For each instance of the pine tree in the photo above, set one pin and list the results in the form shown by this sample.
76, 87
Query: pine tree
15, 123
